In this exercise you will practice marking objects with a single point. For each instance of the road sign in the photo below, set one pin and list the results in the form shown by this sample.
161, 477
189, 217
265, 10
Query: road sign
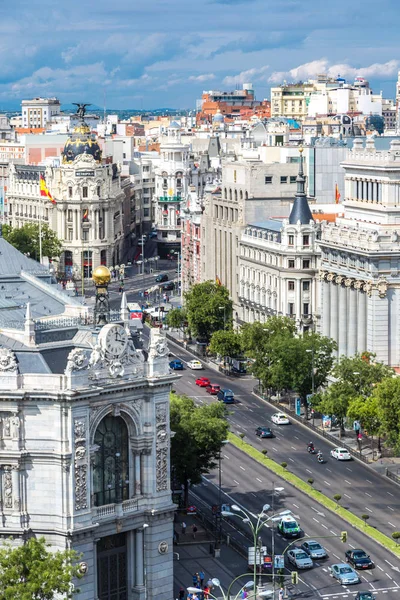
298, 406
259, 556
279, 561
268, 562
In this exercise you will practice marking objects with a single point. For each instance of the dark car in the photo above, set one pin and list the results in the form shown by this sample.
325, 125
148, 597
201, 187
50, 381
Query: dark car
264, 432
161, 277
176, 364
364, 596
359, 559
226, 396
167, 286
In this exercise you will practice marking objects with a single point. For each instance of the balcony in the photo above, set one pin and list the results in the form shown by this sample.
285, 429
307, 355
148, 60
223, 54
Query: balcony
112, 511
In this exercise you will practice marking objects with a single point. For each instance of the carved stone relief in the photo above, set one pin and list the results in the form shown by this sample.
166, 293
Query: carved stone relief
80, 464
8, 361
162, 447
8, 487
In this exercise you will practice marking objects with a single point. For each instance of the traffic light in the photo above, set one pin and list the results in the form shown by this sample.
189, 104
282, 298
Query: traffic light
343, 536
295, 577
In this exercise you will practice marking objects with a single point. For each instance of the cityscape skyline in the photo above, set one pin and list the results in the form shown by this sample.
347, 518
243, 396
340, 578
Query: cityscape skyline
160, 55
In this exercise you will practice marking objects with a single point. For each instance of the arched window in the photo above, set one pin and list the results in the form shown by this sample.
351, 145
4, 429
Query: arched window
241, 194
225, 194
246, 196
111, 465
230, 194
236, 196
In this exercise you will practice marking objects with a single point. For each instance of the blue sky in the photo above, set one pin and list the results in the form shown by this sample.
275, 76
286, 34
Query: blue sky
158, 53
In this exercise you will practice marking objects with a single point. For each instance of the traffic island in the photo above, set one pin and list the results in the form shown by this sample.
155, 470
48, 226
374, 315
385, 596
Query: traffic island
319, 497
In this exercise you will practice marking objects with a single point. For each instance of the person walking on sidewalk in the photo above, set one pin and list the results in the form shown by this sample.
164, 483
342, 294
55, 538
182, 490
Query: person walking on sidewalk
196, 580
181, 595
183, 526
202, 576
206, 592
194, 531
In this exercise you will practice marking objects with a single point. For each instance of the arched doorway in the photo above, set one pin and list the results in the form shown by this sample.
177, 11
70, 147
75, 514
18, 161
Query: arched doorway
111, 465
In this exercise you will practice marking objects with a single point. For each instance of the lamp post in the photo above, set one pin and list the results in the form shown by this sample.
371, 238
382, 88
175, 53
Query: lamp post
216, 583
312, 379
262, 520
219, 512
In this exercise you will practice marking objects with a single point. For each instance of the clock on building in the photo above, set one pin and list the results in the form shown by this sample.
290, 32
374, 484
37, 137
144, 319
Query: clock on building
113, 340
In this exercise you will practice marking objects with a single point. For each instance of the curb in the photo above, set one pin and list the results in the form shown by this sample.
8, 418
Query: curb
319, 497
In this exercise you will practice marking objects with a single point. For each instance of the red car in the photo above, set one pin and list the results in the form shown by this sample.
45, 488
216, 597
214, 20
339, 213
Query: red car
203, 382
213, 388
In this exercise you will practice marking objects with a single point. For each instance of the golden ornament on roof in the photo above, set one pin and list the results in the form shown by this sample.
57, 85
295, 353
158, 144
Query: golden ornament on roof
101, 275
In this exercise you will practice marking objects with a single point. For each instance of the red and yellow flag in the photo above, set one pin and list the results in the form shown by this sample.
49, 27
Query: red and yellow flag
218, 281
44, 190
85, 214
337, 194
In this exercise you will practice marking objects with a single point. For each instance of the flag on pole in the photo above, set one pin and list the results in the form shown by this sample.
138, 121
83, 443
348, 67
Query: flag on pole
85, 214
337, 194
44, 190
218, 281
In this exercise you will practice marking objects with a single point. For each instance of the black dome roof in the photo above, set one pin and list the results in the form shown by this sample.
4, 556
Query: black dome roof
81, 141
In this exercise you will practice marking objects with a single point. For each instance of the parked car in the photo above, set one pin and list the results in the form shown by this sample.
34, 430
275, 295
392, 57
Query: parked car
226, 396
280, 419
314, 549
213, 389
289, 527
264, 432
195, 365
166, 287
345, 574
341, 454
299, 559
176, 364
365, 596
202, 382
161, 277
359, 559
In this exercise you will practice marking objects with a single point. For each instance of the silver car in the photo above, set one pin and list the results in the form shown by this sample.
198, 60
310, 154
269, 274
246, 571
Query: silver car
299, 559
345, 574
314, 549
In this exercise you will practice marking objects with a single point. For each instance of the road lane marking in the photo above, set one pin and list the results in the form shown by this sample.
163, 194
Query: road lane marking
253, 494
368, 481
291, 459
380, 568
366, 493
308, 471
390, 494
351, 546
336, 556
273, 448
293, 448
351, 470
332, 532
327, 483
324, 526
243, 469
314, 519
387, 575
366, 508
349, 482
260, 480
390, 508
225, 456
237, 483
347, 496
328, 470
391, 524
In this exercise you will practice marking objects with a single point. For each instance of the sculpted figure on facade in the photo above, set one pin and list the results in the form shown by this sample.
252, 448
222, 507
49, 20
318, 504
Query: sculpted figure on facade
382, 286
330, 277
368, 287
8, 487
8, 361
162, 444
78, 359
349, 282
80, 465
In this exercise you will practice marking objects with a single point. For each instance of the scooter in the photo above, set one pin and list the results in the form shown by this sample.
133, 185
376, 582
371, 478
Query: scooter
320, 458
311, 449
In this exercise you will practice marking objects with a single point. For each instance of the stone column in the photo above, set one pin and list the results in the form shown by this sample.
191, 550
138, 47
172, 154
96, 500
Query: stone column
326, 307
139, 562
342, 342
361, 317
15, 485
130, 542
138, 481
333, 307
352, 319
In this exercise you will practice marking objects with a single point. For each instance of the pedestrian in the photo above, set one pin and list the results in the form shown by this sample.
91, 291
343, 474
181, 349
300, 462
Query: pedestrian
194, 531
181, 595
183, 526
167, 298
195, 579
201, 575
281, 593
206, 591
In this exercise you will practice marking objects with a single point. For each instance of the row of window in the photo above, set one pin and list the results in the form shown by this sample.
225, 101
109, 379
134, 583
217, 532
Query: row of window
272, 259
283, 179
343, 259
226, 213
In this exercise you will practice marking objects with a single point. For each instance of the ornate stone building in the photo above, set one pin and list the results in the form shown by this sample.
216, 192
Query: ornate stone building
84, 428
360, 257
88, 210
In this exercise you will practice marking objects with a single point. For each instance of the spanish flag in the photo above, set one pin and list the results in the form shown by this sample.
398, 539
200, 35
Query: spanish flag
85, 214
218, 281
44, 190
337, 194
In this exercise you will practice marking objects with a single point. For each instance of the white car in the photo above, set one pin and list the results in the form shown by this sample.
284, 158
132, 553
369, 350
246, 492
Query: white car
341, 454
195, 365
280, 419
299, 559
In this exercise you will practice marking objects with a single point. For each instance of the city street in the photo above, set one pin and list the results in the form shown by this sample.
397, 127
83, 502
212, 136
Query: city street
363, 490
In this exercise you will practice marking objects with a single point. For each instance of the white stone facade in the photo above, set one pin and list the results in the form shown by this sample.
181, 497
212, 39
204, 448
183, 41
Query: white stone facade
87, 215
38, 112
85, 462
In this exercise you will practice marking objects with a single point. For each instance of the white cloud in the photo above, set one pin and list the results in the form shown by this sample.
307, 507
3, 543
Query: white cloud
312, 69
246, 76
201, 78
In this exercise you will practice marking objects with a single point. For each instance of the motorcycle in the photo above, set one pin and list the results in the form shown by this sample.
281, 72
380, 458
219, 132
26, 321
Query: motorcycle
320, 458
311, 449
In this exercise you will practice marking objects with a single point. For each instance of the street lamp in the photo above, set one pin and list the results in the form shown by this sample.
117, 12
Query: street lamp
216, 583
219, 537
262, 520
145, 526
312, 379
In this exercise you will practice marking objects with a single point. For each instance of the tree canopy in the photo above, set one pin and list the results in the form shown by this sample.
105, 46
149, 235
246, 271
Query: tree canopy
199, 433
176, 318
387, 397
226, 343
26, 240
208, 309
33, 572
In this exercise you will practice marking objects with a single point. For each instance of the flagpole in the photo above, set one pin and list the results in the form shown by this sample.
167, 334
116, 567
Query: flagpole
40, 230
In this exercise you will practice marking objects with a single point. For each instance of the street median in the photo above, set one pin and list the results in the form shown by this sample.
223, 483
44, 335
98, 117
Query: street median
319, 497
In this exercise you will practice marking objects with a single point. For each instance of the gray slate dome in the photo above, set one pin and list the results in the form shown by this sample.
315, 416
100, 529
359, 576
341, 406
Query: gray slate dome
300, 210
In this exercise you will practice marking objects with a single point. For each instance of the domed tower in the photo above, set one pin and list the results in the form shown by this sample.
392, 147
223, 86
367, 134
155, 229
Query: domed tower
171, 190
81, 141
218, 122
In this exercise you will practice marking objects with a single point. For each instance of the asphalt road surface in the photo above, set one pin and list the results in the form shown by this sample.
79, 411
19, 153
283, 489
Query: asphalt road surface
363, 490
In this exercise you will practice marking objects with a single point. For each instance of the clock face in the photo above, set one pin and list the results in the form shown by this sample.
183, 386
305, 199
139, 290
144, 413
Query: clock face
113, 339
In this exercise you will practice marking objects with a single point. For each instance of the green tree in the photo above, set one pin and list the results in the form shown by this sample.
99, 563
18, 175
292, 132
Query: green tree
26, 240
335, 401
366, 411
226, 343
208, 309
387, 395
362, 372
33, 572
176, 318
196, 444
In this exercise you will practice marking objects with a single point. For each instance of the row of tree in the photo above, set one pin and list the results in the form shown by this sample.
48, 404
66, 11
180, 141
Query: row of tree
27, 240
282, 360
